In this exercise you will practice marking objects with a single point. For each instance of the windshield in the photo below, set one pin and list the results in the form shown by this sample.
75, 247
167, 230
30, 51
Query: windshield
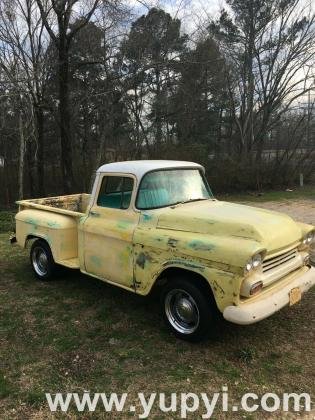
168, 187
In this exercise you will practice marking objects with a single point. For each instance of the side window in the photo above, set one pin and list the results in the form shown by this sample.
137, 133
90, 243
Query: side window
115, 192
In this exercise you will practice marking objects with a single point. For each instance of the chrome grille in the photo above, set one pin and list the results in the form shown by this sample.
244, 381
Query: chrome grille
279, 260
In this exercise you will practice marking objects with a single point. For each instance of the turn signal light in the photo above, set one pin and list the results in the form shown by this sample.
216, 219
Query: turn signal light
256, 287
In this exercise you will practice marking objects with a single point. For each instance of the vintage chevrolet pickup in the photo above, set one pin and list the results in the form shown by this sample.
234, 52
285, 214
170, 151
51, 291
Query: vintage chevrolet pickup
155, 224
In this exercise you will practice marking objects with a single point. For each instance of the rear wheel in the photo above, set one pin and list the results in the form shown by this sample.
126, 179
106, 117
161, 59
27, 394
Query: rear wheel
188, 309
42, 260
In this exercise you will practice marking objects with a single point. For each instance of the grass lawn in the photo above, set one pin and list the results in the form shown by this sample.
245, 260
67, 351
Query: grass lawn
7, 222
76, 333
307, 192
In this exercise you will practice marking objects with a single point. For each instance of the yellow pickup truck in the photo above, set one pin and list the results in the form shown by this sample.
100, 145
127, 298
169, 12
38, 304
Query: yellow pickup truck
155, 224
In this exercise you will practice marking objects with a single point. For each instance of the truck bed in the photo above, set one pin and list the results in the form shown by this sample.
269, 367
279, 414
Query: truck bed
72, 205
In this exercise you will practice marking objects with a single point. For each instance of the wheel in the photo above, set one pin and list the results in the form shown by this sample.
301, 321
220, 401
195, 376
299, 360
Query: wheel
42, 260
188, 309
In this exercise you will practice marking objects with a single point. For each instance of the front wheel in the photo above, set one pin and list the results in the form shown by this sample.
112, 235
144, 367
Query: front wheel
42, 260
187, 309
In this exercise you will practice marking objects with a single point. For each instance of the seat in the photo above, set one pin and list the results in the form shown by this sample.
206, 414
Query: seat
113, 200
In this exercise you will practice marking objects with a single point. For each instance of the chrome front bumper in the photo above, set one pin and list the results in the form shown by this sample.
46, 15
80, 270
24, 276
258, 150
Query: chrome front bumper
268, 303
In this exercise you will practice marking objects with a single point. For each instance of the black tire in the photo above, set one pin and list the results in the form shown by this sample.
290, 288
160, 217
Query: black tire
42, 261
183, 299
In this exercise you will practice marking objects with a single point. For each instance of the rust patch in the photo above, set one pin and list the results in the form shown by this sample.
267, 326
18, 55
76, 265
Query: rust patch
142, 259
172, 242
72, 202
198, 245
218, 288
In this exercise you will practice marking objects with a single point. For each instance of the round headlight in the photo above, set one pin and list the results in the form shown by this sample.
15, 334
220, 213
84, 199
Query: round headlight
249, 266
253, 263
310, 237
257, 260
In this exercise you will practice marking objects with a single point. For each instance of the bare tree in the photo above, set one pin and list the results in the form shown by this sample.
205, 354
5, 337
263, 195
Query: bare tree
269, 47
23, 40
56, 16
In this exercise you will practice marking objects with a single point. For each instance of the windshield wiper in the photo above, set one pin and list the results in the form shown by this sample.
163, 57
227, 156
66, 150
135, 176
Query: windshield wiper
190, 201
193, 199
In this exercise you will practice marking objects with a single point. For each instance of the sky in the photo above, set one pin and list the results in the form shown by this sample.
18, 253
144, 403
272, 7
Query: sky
194, 13
190, 12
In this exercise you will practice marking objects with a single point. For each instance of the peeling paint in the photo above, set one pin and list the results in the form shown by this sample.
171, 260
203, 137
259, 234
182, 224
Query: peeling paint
217, 287
142, 259
172, 242
146, 217
96, 260
124, 225
53, 224
75, 202
201, 246
31, 221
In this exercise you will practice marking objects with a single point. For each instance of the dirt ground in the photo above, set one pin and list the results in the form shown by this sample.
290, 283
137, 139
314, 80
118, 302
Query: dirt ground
300, 210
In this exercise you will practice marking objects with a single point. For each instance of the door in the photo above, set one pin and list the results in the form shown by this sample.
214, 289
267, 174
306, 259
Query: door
109, 229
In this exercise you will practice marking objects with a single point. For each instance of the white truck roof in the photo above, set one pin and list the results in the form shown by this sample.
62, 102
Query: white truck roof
141, 167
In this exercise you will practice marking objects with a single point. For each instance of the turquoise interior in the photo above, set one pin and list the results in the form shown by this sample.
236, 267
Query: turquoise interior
152, 198
113, 200
146, 199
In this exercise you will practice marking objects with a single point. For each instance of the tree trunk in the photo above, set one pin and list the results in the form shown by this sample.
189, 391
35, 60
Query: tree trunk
158, 119
217, 144
64, 120
21, 157
40, 151
30, 165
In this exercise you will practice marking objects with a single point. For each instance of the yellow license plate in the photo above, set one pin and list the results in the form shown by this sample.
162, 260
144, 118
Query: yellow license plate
295, 296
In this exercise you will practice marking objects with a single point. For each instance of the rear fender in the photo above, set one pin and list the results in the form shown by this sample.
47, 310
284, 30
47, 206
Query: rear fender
59, 231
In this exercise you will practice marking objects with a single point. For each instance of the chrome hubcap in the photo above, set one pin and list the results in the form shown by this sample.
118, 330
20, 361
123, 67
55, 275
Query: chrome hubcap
40, 261
182, 311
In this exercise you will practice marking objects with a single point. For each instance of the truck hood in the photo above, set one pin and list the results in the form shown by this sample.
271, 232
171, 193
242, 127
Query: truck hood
271, 229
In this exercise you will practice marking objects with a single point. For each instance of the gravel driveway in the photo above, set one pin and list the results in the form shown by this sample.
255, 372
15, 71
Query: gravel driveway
300, 210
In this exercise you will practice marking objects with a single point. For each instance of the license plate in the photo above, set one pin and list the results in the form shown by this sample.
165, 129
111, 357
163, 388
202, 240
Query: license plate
295, 296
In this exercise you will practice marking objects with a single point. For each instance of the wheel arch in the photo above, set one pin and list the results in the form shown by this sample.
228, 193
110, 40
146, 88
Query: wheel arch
168, 273
32, 237
43, 270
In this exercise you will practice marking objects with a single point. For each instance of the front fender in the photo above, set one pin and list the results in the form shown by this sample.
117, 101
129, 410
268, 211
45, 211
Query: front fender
150, 264
305, 228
